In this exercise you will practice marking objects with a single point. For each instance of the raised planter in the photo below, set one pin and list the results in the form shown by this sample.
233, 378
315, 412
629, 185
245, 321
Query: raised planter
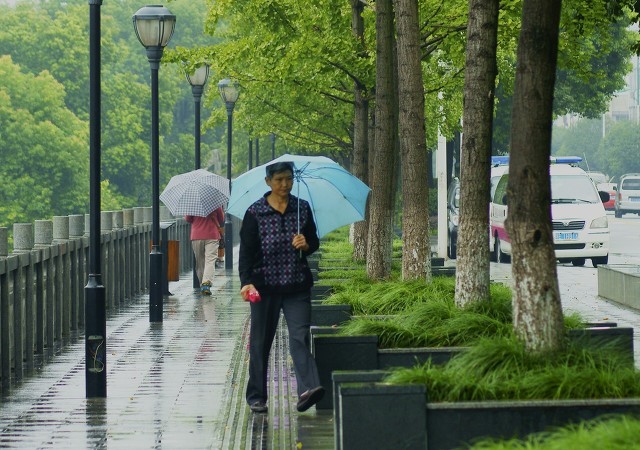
381, 416
329, 315
366, 408
341, 377
407, 357
450, 425
320, 292
342, 353
611, 337
336, 352
621, 283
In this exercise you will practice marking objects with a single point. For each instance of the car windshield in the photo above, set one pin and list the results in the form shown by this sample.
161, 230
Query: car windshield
631, 184
572, 189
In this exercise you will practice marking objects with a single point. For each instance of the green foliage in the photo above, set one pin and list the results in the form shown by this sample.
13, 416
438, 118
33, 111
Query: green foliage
606, 433
620, 149
500, 368
44, 166
582, 140
436, 321
50, 40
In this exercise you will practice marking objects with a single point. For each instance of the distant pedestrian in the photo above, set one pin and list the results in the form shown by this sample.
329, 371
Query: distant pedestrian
221, 246
205, 238
273, 267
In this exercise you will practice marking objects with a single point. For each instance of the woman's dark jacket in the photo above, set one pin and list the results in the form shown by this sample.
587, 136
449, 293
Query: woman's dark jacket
267, 259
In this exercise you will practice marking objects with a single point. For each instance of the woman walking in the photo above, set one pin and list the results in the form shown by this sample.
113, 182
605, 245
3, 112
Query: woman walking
278, 233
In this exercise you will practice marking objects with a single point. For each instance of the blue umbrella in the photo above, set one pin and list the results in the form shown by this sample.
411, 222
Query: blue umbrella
336, 197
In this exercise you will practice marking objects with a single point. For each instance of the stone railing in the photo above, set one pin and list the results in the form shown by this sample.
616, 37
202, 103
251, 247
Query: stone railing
42, 280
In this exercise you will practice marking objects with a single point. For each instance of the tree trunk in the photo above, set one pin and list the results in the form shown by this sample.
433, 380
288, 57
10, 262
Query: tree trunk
360, 163
537, 311
416, 246
383, 176
472, 268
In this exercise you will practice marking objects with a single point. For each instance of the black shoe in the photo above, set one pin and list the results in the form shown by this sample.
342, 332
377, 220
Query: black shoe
259, 407
310, 398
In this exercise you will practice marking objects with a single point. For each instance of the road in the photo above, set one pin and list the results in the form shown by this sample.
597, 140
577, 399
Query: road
625, 239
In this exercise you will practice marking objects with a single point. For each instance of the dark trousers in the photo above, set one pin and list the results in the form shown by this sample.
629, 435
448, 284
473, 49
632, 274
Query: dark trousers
264, 322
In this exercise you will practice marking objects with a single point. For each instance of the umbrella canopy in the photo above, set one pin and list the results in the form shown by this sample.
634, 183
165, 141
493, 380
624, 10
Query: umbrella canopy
336, 197
195, 193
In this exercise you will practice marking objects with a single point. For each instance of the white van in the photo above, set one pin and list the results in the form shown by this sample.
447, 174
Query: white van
580, 226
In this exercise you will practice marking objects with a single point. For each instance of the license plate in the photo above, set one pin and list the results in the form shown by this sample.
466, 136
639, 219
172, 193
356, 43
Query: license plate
565, 236
634, 199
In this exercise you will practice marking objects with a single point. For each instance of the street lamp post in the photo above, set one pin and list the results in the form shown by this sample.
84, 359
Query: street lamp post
197, 80
94, 300
154, 27
229, 92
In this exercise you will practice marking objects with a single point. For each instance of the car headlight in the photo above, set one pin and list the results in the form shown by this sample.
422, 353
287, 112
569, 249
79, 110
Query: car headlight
600, 222
454, 220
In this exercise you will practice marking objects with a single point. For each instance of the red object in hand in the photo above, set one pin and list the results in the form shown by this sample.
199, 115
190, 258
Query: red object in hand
253, 296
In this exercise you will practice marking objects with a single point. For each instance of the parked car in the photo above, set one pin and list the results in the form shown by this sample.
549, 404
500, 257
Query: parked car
611, 188
628, 195
453, 213
580, 225
597, 177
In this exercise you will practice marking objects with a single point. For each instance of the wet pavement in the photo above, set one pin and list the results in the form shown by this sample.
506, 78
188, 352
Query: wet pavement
180, 384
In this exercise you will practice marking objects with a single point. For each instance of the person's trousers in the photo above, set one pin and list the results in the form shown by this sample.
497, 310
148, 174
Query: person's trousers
206, 252
264, 322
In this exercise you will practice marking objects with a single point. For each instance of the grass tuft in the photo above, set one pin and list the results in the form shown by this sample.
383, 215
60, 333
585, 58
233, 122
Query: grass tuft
605, 433
500, 369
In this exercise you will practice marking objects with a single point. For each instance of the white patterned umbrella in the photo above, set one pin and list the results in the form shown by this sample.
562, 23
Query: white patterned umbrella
195, 193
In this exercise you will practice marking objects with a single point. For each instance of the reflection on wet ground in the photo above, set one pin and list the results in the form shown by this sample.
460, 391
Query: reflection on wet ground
178, 384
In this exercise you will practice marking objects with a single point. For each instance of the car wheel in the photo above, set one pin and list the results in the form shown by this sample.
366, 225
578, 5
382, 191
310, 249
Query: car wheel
618, 213
600, 260
453, 248
578, 262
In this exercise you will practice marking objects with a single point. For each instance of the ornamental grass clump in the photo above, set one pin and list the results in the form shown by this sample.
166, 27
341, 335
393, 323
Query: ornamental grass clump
606, 433
391, 297
501, 369
436, 323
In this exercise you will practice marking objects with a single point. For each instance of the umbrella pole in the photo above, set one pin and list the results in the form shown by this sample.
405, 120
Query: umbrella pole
299, 213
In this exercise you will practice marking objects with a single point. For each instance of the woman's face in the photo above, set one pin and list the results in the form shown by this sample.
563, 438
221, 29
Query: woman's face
281, 182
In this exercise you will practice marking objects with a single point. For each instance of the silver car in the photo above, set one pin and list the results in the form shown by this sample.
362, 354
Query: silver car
628, 196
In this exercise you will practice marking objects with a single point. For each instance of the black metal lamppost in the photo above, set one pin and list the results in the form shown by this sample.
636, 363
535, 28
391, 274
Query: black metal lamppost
94, 298
197, 80
154, 25
229, 92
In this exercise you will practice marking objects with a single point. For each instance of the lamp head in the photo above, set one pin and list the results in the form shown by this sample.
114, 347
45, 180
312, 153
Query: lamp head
229, 91
154, 25
199, 77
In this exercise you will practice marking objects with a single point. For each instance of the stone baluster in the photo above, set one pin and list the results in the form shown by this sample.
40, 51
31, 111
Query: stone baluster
4, 242
22, 237
76, 225
60, 228
43, 233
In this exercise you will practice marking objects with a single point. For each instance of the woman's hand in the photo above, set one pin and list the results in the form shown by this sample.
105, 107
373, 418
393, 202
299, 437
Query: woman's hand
300, 242
244, 292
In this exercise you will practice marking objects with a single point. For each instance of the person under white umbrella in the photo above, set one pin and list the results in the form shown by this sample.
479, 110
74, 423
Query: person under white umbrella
206, 233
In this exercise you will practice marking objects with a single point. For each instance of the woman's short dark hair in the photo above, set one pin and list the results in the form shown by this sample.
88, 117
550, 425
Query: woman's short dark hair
279, 167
